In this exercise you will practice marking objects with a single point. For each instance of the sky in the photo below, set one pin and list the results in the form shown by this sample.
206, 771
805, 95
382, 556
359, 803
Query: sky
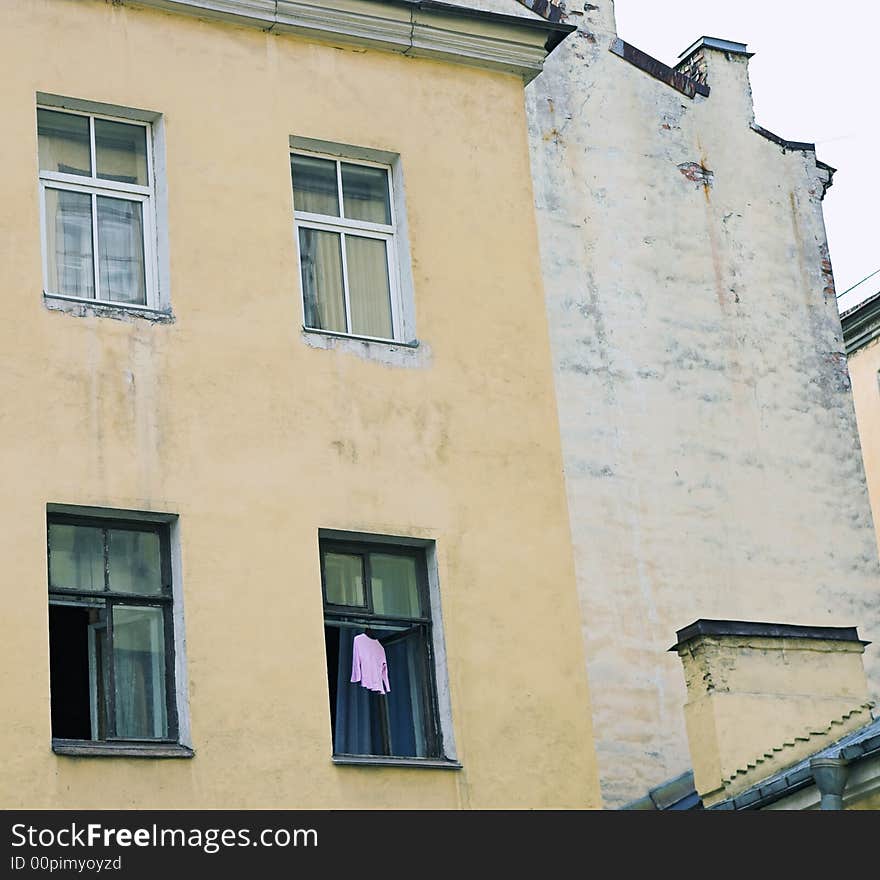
815, 78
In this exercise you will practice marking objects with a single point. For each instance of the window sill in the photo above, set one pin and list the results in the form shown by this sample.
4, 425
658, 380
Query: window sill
333, 334
389, 352
104, 309
80, 748
386, 761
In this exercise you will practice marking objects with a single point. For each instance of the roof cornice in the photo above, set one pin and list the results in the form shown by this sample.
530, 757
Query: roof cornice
861, 324
419, 28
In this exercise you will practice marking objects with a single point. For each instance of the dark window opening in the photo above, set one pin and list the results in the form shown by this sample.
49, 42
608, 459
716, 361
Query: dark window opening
69, 672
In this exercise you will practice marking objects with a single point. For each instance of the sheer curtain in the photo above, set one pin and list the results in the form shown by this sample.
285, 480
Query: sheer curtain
139, 673
323, 295
121, 250
369, 290
69, 243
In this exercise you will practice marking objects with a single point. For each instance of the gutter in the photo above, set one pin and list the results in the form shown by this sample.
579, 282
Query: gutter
415, 28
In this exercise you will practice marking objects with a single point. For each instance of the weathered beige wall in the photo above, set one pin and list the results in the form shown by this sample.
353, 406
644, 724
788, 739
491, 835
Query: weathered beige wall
864, 372
711, 457
258, 440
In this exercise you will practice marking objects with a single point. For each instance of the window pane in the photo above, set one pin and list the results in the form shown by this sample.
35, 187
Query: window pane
121, 250
365, 193
344, 579
369, 291
320, 256
139, 670
76, 557
315, 187
134, 562
395, 587
71, 269
121, 152
64, 142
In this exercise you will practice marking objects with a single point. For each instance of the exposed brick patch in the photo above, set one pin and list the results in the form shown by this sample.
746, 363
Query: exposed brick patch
695, 67
550, 9
698, 173
827, 271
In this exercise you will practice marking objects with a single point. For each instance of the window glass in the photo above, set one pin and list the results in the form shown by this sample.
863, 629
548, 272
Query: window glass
323, 292
315, 187
64, 142
76, 557
69, 255
121, 152
344, 580
395, 586
121, 250
134, 562
365, 193
139, 672
369, 288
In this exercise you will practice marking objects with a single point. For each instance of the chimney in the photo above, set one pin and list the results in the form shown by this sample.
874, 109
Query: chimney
723, 65
764, 696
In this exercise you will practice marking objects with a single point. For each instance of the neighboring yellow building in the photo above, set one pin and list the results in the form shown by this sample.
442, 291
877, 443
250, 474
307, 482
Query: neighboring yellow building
223, 392
861, 332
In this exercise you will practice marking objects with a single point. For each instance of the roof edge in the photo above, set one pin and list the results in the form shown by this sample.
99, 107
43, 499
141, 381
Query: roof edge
861, 323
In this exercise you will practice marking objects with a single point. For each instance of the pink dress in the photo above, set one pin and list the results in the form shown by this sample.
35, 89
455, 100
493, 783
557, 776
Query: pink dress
368, 664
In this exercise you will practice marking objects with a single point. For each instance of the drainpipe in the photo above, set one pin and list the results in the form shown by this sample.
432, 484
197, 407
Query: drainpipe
830, 775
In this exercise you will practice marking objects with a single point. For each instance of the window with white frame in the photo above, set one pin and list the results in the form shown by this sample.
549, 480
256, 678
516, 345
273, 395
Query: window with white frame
97, 207
347, 236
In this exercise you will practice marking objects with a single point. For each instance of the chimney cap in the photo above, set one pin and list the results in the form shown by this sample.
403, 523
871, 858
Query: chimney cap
717, 43
703, 627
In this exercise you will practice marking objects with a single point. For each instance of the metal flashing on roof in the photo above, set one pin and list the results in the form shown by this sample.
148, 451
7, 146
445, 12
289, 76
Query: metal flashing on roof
674, 794
679, 81
704, 627
716, 43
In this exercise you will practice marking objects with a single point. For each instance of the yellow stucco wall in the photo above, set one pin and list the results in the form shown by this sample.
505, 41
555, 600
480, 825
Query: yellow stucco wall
864, 372
257, 440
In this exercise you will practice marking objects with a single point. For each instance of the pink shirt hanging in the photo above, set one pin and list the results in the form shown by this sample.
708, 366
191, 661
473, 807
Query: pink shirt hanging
368, 664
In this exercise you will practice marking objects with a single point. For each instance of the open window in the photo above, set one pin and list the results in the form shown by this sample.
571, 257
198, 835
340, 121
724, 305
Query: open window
381, 670
111, 632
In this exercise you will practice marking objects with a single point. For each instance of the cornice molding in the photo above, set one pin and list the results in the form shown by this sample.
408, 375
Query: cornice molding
421, 28
861, 324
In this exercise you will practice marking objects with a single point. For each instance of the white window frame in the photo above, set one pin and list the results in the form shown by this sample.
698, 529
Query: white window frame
96, 186
389, 233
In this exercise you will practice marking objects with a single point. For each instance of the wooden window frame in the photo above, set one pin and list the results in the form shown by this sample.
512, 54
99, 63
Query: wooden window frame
342, 225
108, 599
96, 187
340, 615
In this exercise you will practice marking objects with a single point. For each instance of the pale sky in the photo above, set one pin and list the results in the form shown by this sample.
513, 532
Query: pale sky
815, 77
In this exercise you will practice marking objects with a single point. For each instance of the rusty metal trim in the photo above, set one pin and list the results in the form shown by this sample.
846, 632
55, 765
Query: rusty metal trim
657, 69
